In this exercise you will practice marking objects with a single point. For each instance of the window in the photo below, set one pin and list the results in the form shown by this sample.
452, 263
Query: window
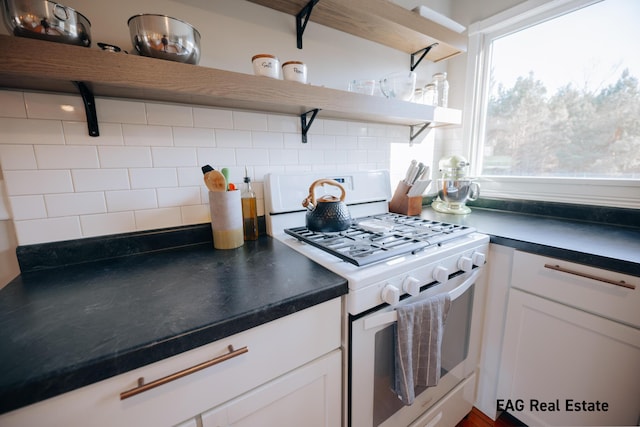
557, 102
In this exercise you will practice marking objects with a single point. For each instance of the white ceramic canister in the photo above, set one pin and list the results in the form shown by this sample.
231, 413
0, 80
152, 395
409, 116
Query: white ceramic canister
226, 219
295, 71
266, 65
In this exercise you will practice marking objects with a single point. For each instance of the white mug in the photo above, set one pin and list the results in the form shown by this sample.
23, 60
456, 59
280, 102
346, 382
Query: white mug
295, 71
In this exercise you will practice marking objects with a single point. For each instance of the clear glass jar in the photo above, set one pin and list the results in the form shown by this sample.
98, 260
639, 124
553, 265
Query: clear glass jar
442, 86
430, 94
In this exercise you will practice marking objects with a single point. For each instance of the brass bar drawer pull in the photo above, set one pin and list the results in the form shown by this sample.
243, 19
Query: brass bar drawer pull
142, 387
591, 276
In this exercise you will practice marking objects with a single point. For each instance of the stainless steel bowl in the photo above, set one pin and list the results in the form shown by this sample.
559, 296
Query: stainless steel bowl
46, 20
163, 37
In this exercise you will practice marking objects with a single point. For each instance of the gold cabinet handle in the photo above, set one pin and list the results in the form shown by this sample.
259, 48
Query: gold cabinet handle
591, 276
142, 387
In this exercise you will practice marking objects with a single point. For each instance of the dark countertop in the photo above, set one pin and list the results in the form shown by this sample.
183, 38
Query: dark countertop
600, 245
66, 327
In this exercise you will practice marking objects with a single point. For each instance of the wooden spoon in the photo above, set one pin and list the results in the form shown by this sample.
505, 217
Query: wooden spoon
215, 181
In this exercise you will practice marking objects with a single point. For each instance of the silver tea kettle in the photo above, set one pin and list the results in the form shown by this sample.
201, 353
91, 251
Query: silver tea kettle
327, 213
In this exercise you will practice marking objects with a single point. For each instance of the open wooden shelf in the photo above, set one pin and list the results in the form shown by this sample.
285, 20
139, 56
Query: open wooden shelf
381, 21
47, 66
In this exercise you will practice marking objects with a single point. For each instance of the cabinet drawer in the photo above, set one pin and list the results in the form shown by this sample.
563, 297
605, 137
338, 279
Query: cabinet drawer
565, 282
274, 349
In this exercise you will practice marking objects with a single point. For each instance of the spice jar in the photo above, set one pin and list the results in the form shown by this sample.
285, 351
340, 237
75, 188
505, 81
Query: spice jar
266, 65
442, 87
430, 94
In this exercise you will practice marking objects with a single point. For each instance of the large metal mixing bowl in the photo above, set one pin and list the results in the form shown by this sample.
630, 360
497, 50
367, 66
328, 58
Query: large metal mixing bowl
160, 36
46, 20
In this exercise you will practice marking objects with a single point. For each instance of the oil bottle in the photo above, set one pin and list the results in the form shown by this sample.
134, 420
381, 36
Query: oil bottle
249, 210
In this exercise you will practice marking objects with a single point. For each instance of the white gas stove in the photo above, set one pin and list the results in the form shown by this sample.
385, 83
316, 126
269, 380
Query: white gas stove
383, 255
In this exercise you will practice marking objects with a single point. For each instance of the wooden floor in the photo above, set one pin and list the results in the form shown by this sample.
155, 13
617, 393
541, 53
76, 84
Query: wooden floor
478, 419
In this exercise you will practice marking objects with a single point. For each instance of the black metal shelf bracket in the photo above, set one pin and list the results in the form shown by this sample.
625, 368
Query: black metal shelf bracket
302, 18
412, 135
89, 108
306, 125
423, 52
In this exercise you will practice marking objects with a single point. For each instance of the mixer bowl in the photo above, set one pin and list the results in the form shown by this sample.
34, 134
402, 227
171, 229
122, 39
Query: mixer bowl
160, 36
458, 191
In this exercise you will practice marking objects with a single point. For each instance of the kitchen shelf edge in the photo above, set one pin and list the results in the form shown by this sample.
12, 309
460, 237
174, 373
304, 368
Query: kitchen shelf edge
53, 67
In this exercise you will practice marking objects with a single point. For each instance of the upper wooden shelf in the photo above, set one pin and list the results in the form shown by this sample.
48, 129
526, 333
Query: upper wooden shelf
47, 66
380, 21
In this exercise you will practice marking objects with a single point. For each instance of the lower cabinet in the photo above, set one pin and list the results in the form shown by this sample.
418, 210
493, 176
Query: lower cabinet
280, 372
565, 360
309, 396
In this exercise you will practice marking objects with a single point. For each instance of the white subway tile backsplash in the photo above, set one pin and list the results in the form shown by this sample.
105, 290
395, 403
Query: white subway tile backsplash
120, 111
252, 156
157, 218
168, 197
169, 115
125, 157
212, 118
195, 214
109, 223
143, 171
193, 137
233, 138
54, 107
47, 230
28, 207
100, 179
267, 139
283, 157
216, 157
249, 121
172, 156
75, 204
190, 176
17, 157
147, 135
335, 127
153, 177
76, 133
281, 123
12, 104
31, 131
38, 182
129, 200
66, 157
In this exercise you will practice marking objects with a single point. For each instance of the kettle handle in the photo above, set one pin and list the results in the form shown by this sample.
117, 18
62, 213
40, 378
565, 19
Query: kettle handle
311, 199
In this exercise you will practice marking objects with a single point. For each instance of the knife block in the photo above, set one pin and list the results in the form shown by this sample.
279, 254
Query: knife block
402, 204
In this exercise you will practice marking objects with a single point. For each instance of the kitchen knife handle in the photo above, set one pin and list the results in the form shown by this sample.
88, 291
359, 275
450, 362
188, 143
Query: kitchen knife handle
590, 276
142, 387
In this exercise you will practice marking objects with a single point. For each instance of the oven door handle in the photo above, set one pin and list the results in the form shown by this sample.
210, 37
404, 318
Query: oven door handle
392, 316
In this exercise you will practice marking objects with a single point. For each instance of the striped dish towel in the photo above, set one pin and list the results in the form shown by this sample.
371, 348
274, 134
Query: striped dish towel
418, 345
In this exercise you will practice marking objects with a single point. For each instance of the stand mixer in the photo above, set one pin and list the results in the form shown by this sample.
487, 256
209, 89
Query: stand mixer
454, 187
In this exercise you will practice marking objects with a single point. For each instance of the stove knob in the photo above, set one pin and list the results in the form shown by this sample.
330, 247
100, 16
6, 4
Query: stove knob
390, 295
478, 258
465, 264
411, 285
441, 274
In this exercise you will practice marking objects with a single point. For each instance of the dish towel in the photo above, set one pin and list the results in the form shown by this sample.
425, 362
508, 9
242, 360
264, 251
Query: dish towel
418, 345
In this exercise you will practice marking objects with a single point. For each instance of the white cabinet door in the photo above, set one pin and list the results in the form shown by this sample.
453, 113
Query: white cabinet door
309, 396
555, 357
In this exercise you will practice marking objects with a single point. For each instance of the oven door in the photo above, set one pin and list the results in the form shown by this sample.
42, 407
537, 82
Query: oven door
372, 400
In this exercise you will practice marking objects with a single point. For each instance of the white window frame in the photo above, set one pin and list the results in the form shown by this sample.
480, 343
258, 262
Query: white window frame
603, 192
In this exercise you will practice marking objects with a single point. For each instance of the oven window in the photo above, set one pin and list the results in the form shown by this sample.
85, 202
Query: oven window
455, 348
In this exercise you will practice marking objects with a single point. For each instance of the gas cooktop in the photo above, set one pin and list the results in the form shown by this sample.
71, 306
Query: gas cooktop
380, 237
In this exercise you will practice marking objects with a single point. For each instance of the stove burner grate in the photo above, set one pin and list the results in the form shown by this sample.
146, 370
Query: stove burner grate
377, 238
